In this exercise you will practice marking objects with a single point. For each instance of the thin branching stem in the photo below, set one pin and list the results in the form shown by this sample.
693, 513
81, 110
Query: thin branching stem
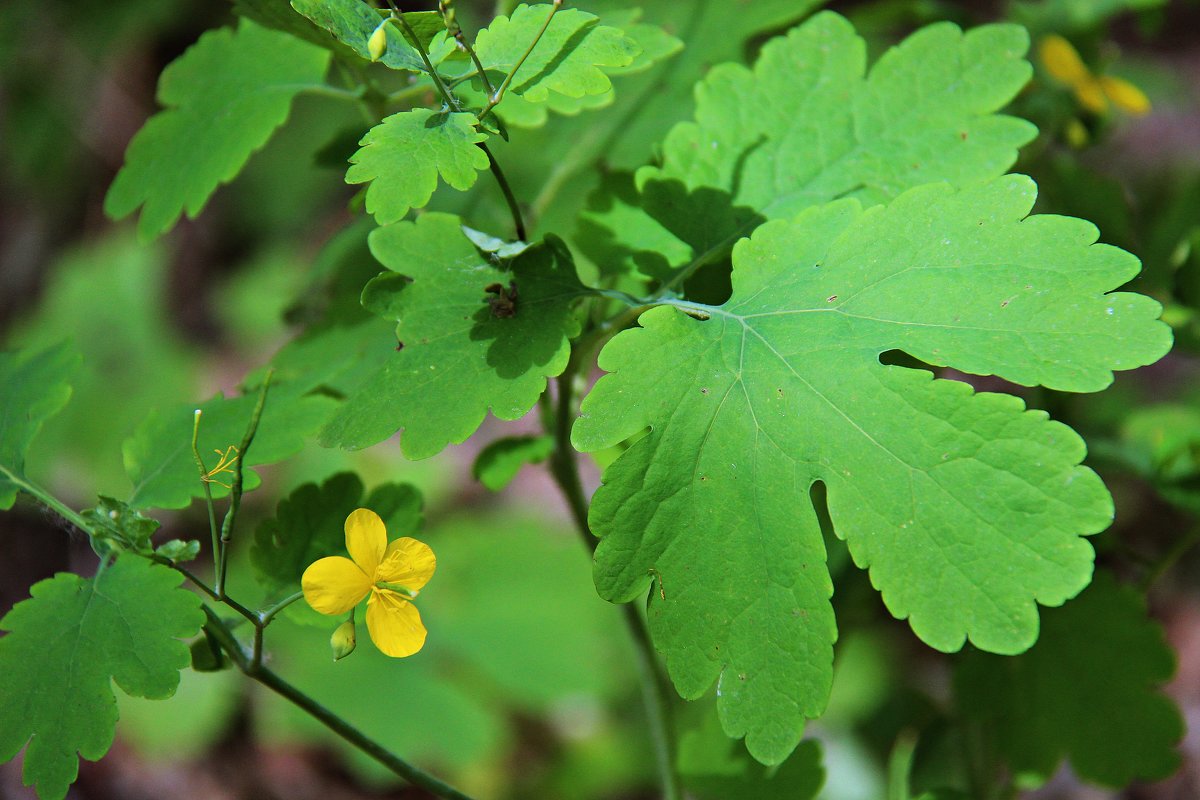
220, 633
453, 103
208, 501
494, 98
235, 494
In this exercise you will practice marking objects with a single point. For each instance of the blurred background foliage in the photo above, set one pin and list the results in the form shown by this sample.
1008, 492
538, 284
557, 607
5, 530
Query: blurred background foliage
527, 687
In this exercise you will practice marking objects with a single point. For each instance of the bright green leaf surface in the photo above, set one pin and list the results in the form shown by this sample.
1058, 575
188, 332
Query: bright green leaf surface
68, 643
224, 98
965, 509
1087, 691
807, 125
159, 460
403, 156
33, 387
310, 524
568, 59
352, 22
120, 527
499, 462
458, 357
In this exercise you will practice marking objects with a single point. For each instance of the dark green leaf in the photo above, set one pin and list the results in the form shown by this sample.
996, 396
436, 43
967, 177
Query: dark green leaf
1089, 691
33, 388
462, 349
65, 647
499, 462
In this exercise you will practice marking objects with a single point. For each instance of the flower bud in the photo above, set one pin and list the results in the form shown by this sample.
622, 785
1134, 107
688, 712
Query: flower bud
343, 640
377, 44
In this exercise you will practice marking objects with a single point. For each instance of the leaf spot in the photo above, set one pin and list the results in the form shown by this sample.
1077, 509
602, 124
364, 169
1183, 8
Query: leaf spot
831, 298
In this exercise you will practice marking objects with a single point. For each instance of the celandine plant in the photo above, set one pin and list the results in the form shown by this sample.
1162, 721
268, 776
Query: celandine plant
772, 295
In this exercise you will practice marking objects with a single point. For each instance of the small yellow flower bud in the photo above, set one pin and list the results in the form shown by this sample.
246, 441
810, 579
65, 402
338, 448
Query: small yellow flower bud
377, 44
343, 640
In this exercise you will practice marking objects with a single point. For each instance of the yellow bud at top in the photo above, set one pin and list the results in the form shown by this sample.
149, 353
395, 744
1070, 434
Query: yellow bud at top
343, 640
377, 44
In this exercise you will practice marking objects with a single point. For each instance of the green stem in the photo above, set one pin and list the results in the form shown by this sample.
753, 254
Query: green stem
453, 102
257, 672
565, 469
235, 495
325, 90
265, 616
47, 499
1170, 558
208, 501
495, 97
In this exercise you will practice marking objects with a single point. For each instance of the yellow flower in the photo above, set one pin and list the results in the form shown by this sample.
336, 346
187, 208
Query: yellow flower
392, 574
1094, 92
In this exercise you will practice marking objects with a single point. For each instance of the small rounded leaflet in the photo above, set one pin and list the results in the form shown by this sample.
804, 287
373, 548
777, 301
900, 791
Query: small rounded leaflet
390, 576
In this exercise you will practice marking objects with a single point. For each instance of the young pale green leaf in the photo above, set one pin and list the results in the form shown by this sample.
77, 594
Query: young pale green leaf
403, 156
116, 526
309, 524
223, 99
1088, 691
499, 462
461, 349
966, 508
159, 459
66, 645
568, 59
352, 22
33, 388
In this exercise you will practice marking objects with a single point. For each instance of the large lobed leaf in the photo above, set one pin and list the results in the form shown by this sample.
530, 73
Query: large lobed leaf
403, 156
33, 388
352, 22
66, 645
1087, 691
456, 357
966, 508
223, 99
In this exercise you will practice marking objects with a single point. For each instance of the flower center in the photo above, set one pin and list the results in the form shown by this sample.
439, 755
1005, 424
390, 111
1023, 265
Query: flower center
403, 591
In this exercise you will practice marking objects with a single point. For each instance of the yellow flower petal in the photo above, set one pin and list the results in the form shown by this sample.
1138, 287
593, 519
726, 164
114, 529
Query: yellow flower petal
366, 539
334, 585
394, 624
1091, 96
1062, 61
408, 563
1125, 95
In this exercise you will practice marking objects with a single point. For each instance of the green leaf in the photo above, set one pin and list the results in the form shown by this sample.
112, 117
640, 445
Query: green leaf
966, 509
458, 357
403, 156
807, 125
159, 460
117, 526
715, 768
1088, 691
310, 524
223, 99
499, 462
33, 388
178, 550
568, 59
65, 646
279, 15
352, 22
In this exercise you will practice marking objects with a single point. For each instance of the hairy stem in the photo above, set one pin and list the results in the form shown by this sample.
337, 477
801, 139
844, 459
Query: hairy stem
217, 629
